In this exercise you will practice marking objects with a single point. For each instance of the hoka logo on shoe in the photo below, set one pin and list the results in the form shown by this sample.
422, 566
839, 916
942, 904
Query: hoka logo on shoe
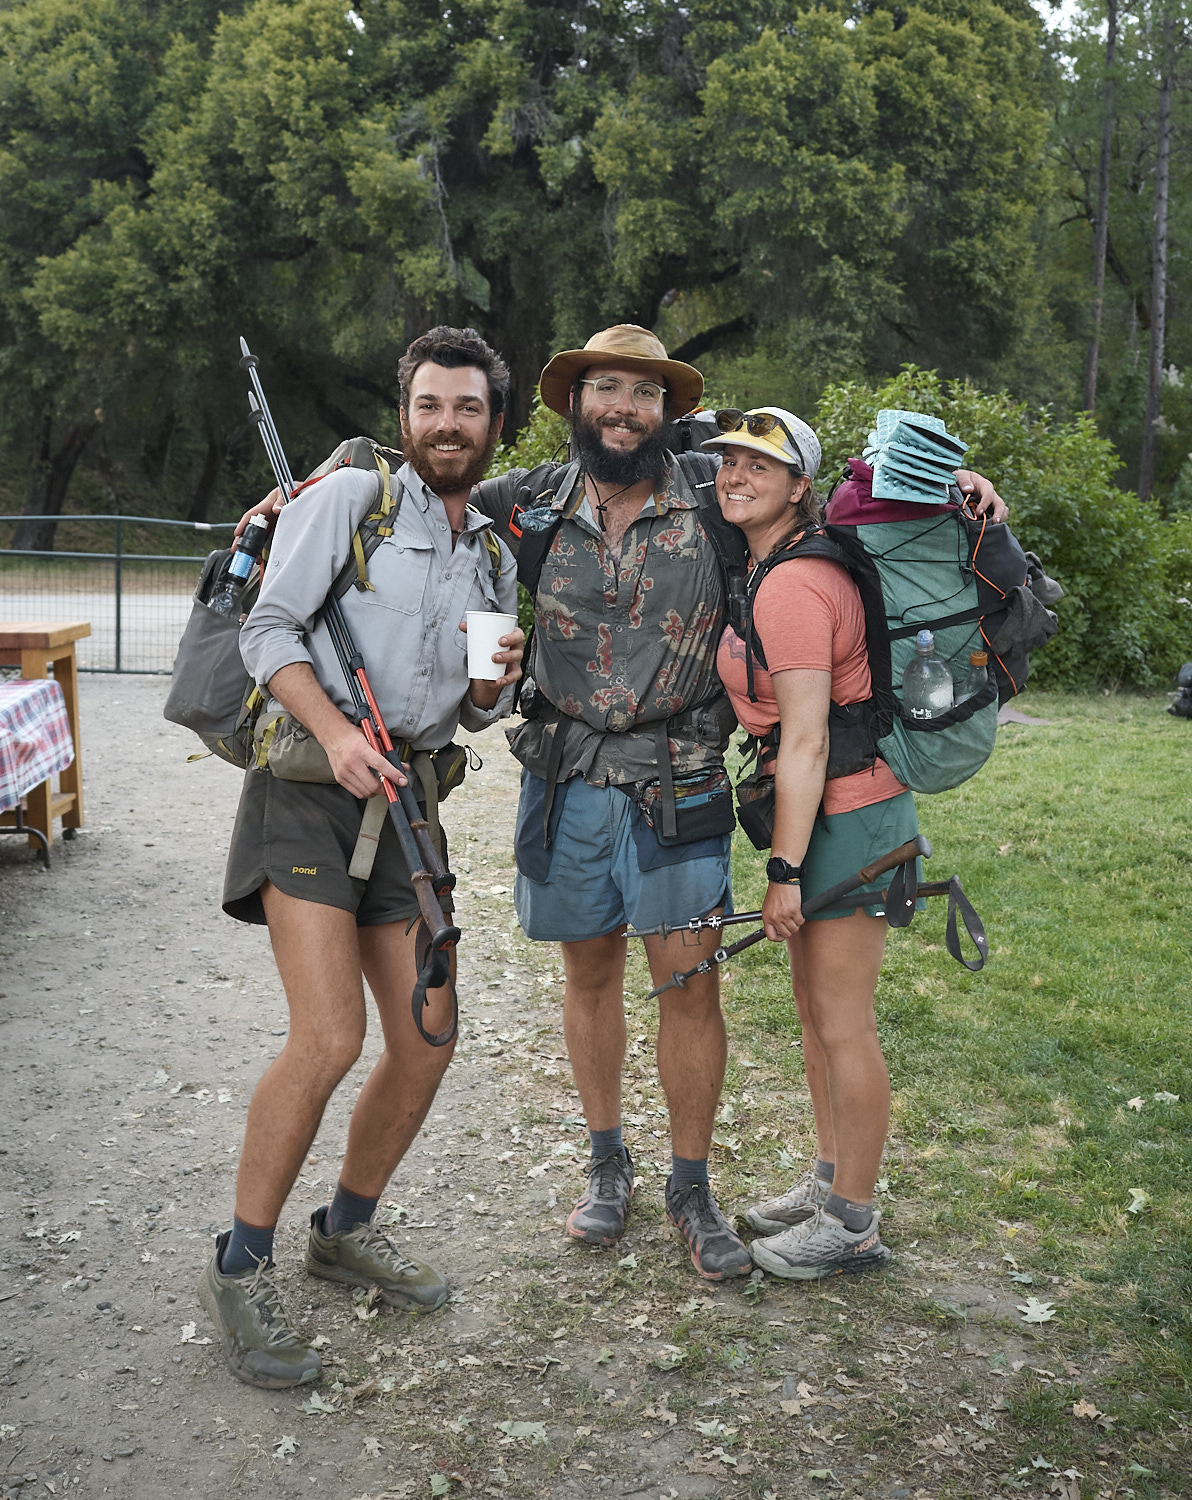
866, 1244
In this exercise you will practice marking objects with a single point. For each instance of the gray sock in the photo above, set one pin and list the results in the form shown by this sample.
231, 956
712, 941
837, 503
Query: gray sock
824, 1170
854, 1216
247, 1246
606, 1143
685, 1171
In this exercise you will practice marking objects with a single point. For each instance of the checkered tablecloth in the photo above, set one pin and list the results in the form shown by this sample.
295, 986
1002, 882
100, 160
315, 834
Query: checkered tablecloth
34, 737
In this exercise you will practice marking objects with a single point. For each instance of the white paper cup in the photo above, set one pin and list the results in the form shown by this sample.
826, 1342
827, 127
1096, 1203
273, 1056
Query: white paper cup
484, 637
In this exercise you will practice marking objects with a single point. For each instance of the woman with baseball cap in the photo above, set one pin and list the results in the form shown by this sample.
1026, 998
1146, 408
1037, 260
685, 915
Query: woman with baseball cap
808, 617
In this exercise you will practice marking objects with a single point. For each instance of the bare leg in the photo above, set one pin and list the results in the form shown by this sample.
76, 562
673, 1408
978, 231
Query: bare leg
814, 1064
594, 1024
841, 969
392, 1105
319, 963
692, 1048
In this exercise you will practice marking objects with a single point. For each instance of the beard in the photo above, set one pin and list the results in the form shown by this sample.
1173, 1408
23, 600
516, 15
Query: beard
623, 466
449, 471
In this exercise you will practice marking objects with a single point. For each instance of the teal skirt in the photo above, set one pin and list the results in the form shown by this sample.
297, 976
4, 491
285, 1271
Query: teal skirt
847, 842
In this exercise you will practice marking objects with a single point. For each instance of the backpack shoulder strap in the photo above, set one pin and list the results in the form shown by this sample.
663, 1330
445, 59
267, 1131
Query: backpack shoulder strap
534, 522
379, 522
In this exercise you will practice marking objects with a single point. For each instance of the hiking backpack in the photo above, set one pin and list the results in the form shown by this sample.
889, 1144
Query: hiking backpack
965, 579
211, 691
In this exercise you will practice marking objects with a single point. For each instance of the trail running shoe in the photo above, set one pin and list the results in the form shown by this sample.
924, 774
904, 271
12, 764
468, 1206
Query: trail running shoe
717, 1250
821, 1246
259, 1343
792, 1207
599, 1216
366, 1258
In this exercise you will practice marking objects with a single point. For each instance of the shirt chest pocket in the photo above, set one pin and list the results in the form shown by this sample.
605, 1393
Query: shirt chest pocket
400, 573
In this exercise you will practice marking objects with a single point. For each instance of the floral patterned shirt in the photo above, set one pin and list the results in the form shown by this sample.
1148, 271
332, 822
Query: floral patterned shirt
622, 644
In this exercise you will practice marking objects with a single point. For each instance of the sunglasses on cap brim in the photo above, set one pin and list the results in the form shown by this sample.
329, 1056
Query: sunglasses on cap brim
758, 424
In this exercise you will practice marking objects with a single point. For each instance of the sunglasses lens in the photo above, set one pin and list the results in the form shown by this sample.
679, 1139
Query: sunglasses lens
762, 425
729, 419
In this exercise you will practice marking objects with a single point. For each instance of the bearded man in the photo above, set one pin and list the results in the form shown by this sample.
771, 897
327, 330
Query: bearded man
625, 811
295, 859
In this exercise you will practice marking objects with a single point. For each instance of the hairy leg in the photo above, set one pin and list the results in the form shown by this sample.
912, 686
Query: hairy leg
841, 961
692, 1047
594, 1024
319, 964
392, 1105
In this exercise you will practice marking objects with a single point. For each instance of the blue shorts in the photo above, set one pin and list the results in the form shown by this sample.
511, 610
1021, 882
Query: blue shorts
605, 868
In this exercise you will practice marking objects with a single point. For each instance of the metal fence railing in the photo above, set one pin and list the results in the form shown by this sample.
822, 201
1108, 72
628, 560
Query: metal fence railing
127, 576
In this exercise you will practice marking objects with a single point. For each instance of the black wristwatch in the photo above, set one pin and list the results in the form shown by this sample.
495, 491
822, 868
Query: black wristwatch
781, 872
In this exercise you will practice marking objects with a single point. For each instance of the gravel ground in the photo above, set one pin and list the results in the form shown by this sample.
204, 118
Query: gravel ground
135, 1020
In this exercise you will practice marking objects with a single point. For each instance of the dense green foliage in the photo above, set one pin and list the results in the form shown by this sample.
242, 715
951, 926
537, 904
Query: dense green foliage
793, 195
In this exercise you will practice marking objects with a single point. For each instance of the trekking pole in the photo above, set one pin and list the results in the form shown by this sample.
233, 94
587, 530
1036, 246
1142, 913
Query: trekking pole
717, 921
903, 855
429, 876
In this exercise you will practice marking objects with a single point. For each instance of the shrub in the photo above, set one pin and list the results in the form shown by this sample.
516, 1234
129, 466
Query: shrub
1127, 574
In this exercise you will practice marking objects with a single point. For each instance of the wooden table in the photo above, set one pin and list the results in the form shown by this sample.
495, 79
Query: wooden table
35, 647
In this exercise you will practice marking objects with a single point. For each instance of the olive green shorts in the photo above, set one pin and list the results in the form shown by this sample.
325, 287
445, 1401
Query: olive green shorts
300, 836
846, 842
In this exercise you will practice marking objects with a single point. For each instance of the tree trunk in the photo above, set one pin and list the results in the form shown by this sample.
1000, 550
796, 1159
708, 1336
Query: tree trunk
200, 498
50, 471
1101, 222
1154, 384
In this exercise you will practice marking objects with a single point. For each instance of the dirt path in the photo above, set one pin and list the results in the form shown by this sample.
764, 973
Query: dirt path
135, 1020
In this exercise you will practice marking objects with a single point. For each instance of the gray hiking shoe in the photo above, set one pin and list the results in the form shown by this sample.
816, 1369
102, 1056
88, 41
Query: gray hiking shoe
821, 1246
364, 1257
792, 1207
599, 1216
717, 1250
259, 1343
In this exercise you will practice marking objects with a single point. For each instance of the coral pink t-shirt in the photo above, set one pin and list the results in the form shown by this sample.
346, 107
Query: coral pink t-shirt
808, 616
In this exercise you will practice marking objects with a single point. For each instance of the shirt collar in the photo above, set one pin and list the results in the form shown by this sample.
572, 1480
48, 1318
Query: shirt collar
417, 489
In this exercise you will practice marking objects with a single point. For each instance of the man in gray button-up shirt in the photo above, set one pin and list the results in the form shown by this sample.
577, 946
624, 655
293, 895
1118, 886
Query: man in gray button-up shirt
294, 860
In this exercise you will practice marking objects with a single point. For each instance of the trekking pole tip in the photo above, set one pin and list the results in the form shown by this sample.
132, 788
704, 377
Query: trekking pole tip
248, 360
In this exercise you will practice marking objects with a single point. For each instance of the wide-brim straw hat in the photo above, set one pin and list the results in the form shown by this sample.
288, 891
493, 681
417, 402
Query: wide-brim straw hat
629, 348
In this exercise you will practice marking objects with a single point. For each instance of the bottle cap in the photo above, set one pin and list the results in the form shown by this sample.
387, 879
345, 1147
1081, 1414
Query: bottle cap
925, 641
978, 659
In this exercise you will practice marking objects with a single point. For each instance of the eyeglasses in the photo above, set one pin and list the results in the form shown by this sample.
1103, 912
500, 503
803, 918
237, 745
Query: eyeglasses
756, 424
608, 390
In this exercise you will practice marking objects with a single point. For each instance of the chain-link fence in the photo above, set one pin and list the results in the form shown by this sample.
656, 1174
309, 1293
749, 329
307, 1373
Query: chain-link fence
131, 577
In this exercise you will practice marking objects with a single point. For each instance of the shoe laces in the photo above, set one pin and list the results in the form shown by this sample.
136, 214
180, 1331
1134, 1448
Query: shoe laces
605, 1175
700, 1208
262, 1292
373, 1242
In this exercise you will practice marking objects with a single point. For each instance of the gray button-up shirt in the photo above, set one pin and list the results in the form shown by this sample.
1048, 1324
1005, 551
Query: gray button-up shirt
407, 628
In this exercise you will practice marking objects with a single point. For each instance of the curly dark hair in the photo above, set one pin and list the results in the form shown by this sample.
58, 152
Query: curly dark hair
454, 348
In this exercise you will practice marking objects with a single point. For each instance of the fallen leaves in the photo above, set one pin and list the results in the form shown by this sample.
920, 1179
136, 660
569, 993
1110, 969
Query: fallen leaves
1036, 1311
314, 1405
188, 1335
286, 1446
1139, 1200
1135, 1104
1085, 1409
532, 1433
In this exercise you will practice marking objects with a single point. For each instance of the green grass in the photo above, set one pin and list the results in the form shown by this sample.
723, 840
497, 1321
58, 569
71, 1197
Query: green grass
1012, 1126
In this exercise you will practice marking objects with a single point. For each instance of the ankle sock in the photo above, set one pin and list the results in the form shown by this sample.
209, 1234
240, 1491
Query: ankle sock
824, 1170
248, 1245
347, 1209
685, 1171
607, 1143
854, 1216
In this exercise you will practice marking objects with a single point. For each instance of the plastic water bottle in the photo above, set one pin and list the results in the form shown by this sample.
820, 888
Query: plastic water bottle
227, 601
977, 678
927, 681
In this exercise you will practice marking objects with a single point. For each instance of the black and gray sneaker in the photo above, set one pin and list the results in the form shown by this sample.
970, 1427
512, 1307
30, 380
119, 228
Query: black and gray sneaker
717, 1250
599, 1216
261, 1346
364, 1257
